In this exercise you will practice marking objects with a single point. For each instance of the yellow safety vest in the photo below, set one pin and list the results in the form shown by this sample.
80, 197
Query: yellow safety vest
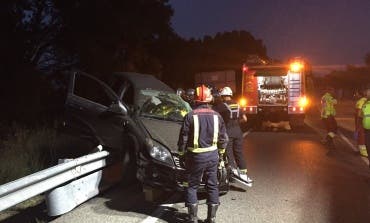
196, 148
327, 105
360, 102
366, 115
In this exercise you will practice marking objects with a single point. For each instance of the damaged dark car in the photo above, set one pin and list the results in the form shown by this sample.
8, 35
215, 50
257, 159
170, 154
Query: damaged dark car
137, 118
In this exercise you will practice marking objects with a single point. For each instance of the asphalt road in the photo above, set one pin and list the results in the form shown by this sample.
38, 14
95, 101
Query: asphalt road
296, 180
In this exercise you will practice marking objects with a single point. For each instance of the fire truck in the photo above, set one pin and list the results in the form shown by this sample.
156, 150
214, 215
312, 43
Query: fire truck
276, 91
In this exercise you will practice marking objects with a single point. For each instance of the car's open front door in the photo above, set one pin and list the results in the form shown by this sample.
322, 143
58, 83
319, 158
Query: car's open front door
89, 113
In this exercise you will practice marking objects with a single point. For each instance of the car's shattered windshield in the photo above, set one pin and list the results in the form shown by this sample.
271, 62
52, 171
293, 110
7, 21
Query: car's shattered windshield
162, 105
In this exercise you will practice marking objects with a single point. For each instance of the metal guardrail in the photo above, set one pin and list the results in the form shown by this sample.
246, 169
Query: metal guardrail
29, 186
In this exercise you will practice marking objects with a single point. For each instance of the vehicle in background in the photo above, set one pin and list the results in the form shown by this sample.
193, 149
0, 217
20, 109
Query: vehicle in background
276, 92
138, 119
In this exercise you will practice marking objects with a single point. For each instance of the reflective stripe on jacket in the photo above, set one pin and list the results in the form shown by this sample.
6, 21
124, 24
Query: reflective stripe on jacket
327, 105
233, 108
229, 110
203, 131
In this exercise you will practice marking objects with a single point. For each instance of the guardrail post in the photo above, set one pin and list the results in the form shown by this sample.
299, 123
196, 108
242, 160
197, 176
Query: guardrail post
65, 198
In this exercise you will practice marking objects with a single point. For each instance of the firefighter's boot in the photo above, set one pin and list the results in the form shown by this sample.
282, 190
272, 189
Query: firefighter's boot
325, 140
328, 141
193, 213
211, 213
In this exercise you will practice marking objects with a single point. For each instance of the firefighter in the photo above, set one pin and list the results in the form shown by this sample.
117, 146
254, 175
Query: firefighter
180, 92
189, 97
328, 113
359, 130
216, 97
230, 112
202, 138
365, 114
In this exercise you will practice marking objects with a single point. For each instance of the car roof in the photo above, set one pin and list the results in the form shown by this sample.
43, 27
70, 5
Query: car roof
144, 81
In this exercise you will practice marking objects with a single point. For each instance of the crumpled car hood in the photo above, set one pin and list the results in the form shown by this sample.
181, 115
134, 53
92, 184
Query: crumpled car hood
165, 132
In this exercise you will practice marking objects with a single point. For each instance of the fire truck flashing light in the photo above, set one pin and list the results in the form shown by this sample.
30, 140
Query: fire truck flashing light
296, 66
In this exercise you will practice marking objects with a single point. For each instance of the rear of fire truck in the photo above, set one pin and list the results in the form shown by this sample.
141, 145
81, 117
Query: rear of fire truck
275, 92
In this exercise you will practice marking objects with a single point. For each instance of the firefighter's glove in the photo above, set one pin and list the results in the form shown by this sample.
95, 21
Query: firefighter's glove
221, 161
221, 152
221, 164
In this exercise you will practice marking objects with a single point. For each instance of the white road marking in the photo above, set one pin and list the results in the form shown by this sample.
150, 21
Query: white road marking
156, 214
345, 139
353, 147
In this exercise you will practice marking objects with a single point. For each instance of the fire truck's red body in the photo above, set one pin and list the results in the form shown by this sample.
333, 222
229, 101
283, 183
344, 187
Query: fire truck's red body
275, 92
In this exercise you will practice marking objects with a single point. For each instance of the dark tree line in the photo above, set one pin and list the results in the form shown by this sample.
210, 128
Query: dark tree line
227, 50
41, 39
348, 81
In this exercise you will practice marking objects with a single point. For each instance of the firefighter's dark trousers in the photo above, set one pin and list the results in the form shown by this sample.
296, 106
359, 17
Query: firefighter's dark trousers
235, 152
367, 142
330, 124
360, 131
235, 145
196, 167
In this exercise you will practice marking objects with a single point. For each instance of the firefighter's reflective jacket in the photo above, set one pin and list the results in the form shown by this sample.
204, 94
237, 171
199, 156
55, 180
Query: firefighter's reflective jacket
203, 131
230, 112
360, 102
327, 105
366, 115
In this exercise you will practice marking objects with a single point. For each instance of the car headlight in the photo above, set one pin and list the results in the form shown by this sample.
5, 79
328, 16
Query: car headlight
160, 153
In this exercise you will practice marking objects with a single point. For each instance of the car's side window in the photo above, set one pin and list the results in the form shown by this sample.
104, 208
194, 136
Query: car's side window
128, 97
116, 84
92, 90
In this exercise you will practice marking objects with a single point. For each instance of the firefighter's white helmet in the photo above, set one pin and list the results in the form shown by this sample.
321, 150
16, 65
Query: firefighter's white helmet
226, 91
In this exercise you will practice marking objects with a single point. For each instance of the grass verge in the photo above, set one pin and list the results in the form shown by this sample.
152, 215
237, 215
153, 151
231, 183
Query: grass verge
25, 151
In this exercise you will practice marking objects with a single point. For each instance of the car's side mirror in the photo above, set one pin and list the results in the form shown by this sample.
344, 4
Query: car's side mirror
116, 108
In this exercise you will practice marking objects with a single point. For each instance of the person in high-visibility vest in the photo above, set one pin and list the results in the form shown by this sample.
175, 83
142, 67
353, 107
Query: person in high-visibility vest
365, 114
328, 113
202, 138
230, 112
359, 130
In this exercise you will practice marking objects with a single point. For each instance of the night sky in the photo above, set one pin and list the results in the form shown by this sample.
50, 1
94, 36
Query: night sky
324, 31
